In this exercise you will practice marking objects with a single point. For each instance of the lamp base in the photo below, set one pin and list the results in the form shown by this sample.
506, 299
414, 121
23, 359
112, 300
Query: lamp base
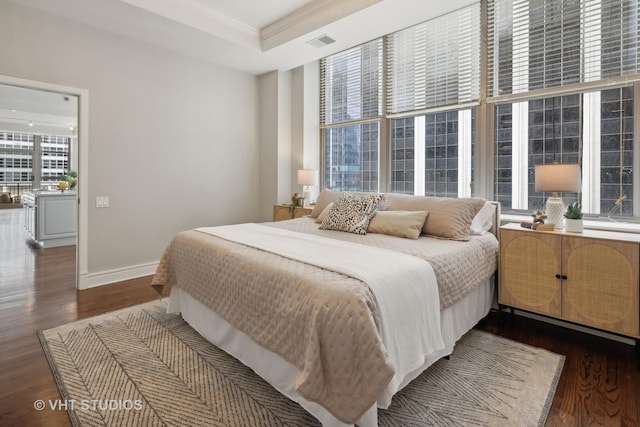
555, 212
307, 197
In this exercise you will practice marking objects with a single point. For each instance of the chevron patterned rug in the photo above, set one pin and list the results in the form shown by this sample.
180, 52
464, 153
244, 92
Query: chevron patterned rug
142, 366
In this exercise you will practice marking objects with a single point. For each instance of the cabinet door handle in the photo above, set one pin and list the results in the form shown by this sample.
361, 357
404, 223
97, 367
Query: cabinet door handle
558, 276
564, 277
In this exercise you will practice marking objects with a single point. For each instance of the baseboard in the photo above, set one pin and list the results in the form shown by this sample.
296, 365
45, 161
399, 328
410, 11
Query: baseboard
575, 327
92, 280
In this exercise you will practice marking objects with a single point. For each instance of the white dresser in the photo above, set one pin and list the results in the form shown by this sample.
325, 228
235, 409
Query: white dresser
50, 217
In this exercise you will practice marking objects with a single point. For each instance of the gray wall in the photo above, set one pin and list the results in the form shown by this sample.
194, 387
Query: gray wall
173, 141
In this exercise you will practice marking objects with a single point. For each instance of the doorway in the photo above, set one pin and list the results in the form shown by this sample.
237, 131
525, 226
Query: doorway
53, 130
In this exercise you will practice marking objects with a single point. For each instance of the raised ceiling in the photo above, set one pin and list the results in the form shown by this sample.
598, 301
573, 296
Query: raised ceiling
255, 36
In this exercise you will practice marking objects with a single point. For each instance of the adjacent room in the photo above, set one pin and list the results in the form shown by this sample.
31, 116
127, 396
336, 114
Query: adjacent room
320, 212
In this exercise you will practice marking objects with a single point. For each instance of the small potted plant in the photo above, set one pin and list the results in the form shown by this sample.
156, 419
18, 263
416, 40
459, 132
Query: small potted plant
573, 218
71, 178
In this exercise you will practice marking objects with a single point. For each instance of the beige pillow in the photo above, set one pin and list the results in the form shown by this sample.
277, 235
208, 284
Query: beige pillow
325, 197
398, 223
324, 213
449, 218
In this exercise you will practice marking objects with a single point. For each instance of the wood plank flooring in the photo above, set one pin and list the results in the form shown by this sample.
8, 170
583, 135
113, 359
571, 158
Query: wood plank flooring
600, 384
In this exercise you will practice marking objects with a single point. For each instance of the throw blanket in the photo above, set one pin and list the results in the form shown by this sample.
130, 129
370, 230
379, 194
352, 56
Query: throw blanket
404, 286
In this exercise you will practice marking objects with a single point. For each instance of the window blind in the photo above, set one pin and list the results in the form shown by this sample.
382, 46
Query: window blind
545, 44
351, 84
434, 64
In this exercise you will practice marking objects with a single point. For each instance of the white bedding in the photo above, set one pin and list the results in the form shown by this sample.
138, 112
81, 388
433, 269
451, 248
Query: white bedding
404, 286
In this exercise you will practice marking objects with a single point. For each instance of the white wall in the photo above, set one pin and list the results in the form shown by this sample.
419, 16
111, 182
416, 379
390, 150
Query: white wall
305, 122
275, 141
289, 136
173, 141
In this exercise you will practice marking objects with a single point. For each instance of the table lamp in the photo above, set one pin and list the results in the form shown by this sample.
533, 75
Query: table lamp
307, 177
554, 178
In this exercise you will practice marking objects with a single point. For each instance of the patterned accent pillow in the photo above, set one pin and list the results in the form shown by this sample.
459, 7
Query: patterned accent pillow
352, 213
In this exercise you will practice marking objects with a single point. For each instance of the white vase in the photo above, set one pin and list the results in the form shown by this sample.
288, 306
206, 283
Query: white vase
573, 225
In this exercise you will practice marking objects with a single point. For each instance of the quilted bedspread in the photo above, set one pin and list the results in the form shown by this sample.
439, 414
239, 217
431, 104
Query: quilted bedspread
459, 266
323, 322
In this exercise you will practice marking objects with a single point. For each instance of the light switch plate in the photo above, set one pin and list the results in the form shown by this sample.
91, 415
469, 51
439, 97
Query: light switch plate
102, 201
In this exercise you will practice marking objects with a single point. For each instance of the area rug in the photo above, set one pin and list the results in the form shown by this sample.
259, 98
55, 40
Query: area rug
142, 366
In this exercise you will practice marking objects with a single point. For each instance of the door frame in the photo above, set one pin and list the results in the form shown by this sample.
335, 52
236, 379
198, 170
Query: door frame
82, 238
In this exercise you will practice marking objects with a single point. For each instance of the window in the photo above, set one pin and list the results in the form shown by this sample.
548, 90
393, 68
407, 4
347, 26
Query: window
351, 108
16, 152
432, 155
433, 73
561, 79
17, 157
432, 79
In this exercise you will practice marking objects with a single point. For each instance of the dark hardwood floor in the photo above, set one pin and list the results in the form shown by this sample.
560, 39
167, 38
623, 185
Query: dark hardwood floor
600, 384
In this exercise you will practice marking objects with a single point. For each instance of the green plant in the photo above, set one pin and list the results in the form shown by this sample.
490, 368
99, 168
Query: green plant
71, 177
574, 211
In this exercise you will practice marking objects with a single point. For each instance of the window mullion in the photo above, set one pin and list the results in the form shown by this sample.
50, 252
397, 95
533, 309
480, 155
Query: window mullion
520, 152
419, 155
464, 153
591, 152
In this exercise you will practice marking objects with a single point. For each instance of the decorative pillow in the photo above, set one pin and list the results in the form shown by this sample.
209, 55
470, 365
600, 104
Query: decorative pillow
328, 196
483, 221
449, 218
324, 213
398, 223
352, 213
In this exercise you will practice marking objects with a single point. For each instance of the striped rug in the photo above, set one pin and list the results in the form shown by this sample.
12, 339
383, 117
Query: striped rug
140, 366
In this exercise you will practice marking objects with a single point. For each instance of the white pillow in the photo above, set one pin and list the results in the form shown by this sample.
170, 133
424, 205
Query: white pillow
483, 221
324, 213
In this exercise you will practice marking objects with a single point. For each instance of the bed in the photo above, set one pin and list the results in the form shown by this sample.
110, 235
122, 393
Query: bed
289, 300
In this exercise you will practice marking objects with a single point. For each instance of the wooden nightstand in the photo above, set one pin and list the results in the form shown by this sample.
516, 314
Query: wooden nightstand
284, 212
589, 278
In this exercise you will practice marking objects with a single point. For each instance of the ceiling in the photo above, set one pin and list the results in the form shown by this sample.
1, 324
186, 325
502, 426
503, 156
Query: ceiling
254, 36
37, 111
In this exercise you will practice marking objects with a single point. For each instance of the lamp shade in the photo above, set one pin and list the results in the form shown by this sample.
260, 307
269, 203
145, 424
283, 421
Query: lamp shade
307, 177
557, 177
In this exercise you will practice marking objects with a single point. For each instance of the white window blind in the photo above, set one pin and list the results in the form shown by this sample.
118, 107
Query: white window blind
435, 64
545, 44
351, 84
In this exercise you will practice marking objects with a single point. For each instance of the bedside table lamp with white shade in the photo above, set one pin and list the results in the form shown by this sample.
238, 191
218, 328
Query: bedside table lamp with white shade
555, 178
306, 178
